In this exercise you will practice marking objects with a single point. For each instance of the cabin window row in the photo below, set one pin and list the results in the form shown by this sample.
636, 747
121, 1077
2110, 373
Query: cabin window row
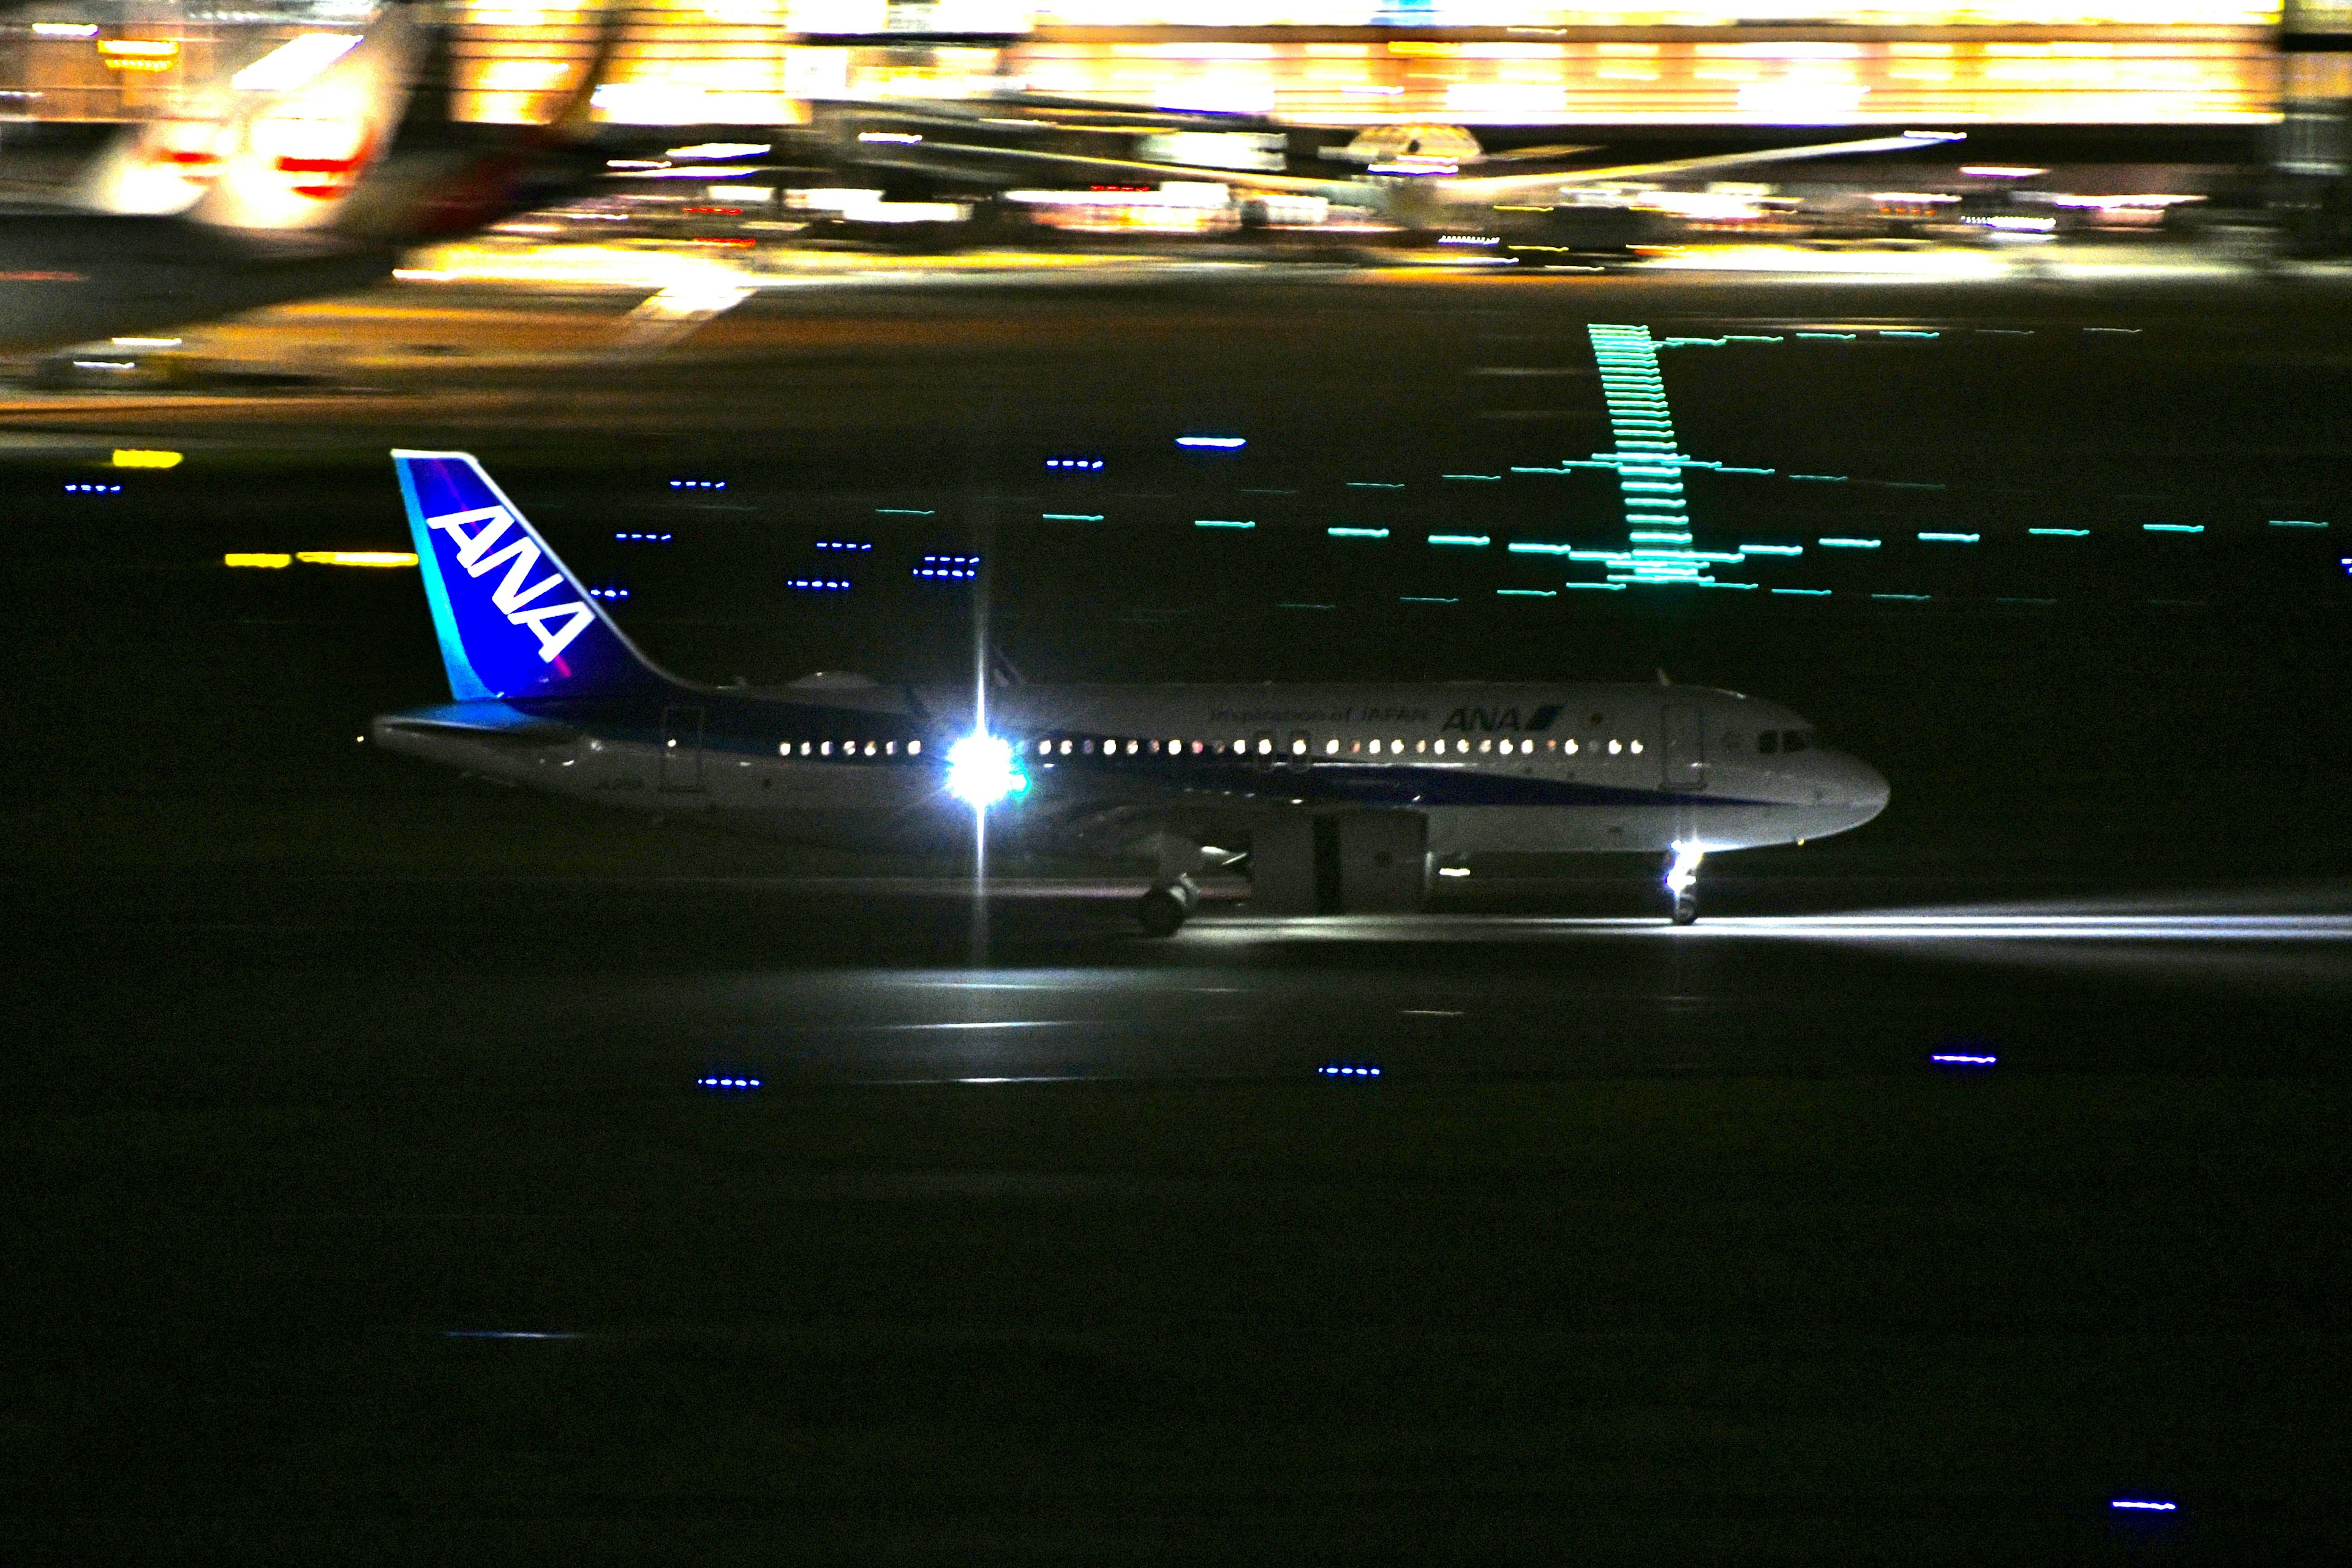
850, 748
1300, 747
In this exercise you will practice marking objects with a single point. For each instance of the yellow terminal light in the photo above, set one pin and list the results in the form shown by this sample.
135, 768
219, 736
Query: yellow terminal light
353, 558
256, 559
140, 457
139, 54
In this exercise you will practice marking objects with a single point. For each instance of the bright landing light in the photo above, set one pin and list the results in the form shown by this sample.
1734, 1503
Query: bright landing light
980, 770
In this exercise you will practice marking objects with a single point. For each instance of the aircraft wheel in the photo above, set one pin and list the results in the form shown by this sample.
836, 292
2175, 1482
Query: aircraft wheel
1685, 909
1161, 911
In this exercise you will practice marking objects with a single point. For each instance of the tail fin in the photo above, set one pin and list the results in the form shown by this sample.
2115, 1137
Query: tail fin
503, 634
291, 159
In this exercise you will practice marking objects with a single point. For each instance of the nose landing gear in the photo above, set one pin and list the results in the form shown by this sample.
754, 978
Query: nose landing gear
1682, 881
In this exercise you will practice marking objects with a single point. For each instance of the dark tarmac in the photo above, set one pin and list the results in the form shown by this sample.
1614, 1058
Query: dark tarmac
366, 1204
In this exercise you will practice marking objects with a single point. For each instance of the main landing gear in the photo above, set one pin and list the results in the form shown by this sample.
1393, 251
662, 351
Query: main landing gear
1682, 881
1164, 910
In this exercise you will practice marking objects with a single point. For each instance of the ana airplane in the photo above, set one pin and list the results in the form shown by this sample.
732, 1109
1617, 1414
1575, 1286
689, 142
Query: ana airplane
1342, 798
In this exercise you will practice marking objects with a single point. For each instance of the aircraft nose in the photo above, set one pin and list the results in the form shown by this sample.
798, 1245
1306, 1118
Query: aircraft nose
1867, 790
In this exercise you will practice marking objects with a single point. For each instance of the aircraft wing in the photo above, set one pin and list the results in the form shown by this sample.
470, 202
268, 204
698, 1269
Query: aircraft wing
1506, 187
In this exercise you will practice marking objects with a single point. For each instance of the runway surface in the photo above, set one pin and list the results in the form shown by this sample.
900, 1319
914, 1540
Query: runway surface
403, 1167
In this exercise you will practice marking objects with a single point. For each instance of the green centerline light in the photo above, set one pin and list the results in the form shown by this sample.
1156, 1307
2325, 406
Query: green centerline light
2061, 532
2278, 522
1527, 593
1072, 516
1221, 522
1602, 588
1371, 485
1473, 539
1771, 550
1951, 538
1917, 598
1805, 593
1821, 479
1850, 543
902, 512
2172, 526
1356, 533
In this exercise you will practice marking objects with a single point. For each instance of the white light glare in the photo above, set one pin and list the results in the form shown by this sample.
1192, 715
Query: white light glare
980, 770
1683, 875
293, 62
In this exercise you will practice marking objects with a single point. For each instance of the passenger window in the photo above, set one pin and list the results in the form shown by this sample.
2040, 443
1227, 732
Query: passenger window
1767, 741
1794, 741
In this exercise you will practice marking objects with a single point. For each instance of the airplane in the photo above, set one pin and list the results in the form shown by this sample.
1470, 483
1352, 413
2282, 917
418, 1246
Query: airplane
1340, 798
1539, 211
312, 184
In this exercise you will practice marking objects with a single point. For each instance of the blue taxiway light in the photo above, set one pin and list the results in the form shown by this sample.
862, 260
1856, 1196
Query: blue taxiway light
1962, 1059
818, 584
1085, 464
697, 484
727, 1083
94, 489
643, 538
1349, 1069
2146, 1504
1226, 443
843, 545
608, 593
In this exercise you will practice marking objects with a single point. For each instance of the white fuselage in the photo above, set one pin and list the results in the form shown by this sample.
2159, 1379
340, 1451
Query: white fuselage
1526, 767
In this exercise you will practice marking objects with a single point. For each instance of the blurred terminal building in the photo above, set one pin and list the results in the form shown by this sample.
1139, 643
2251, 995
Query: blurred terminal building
1623, 63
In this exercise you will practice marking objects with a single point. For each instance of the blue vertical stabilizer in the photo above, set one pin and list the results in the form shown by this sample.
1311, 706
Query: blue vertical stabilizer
512, 619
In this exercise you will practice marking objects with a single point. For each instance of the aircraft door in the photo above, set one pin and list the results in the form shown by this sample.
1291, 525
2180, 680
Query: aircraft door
681, 753
1683, 754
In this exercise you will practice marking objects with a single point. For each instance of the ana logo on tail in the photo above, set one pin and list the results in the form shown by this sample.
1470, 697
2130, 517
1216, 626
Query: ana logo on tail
511, 598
